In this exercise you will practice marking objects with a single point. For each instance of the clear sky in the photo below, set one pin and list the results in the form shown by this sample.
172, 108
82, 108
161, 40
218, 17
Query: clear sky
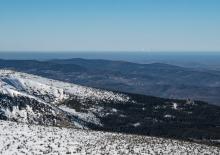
109, 25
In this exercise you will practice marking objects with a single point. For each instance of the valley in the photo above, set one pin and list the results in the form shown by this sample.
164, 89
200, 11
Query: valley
154, 79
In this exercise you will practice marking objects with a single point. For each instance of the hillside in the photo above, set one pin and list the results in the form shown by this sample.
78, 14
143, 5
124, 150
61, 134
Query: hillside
36, 100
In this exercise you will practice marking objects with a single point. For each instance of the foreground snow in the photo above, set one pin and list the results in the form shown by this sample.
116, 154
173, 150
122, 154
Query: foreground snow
30, 139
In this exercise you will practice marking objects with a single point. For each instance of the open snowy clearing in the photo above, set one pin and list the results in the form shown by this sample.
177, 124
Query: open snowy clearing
31, 139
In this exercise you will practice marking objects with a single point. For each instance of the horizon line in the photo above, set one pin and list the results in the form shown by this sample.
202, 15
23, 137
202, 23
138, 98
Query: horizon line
108, 51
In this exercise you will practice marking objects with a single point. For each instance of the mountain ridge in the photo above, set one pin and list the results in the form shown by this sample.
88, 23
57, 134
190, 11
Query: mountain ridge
160, 80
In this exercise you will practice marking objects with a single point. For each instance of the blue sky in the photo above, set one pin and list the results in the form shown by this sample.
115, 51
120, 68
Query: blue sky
109, 25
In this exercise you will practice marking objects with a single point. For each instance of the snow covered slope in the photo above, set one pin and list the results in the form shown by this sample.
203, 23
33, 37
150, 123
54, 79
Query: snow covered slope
51, 91
34, 99
26, 139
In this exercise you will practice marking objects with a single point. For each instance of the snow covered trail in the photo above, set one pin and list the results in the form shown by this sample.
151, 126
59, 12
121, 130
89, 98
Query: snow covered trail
31, 139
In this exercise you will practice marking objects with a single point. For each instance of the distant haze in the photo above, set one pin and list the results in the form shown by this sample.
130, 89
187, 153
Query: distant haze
208, 60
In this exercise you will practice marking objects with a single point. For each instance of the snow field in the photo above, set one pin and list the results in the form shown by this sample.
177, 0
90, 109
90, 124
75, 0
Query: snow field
31, 139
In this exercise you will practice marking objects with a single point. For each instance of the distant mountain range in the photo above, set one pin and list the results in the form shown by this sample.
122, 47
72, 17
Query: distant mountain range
33, 99
154, 79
